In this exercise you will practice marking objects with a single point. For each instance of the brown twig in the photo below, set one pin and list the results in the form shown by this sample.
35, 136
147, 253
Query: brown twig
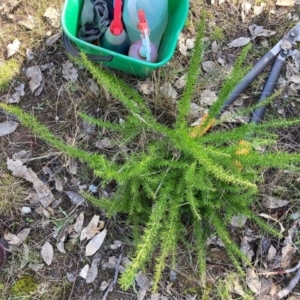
283, 293
280, 272
112, 284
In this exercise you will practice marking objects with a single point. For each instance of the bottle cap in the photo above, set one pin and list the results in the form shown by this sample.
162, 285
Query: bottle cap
143, 24
145, 50
116, 26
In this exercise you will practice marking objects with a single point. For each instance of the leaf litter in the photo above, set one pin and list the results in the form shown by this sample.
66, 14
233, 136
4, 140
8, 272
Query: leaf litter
76, 198
37, 80
292, 80
17, 240
7, 127
239, 42
69, 72
13, 48
19, 170
53, 16
95, 243
15, 97
92, 229
47, 253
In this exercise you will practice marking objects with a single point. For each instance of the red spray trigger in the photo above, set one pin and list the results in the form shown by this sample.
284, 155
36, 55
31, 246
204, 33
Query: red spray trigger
116, 26
143, 24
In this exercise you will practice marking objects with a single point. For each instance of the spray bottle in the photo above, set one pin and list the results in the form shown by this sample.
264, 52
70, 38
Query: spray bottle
115, 37
157, 17
143, 49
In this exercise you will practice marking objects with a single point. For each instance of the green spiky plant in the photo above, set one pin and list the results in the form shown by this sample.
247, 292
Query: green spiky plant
177, 181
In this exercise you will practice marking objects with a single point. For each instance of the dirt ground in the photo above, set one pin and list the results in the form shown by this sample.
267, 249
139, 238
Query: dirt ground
26, 274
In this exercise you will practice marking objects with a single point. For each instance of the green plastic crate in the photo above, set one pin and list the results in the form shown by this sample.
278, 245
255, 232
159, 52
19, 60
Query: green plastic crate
178, 11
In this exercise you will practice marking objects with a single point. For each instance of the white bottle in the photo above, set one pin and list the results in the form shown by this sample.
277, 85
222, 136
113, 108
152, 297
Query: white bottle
157, 17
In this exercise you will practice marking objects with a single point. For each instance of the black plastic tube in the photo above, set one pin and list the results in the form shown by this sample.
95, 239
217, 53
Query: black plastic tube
73, 51
249, 78
268, 88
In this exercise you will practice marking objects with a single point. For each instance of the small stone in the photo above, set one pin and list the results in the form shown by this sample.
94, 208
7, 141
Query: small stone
25, 210
103, 286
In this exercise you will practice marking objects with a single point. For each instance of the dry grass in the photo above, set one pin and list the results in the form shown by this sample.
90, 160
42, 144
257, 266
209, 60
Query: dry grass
12, 194
63, 100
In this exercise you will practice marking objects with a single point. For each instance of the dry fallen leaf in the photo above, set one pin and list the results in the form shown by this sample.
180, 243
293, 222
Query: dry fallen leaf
58, 183
19, 170
287, 253
116, 245
185, 44
8, 127
239, 42
208, 97
195, 110
142, 281
23, 234
12, 239
180, 82
19, 92
168, 91
47, 253
271, 253
37, 81
72, 166
61, 247
246, 6
238, 221
93, 87
29, 54
110, 264
76, 198
52, 39
190, 43
13, 48
93, 271
258, 9
79, 223
141, 294
232, 116
104, 143
146, 87
286, 2
95, 243
28, 22
15, 97
253, 281
84, 271
89, 231
237, 288
69, 72
182, 48
246, 248
256, 31
214, 47
282, 229
25, 256
272, 202
209, 66
155, 296
53, 16
103, 286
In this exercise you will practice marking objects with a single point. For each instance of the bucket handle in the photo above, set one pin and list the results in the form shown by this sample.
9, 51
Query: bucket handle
73, 51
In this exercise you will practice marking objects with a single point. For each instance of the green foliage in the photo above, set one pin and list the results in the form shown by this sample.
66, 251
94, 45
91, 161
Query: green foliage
217, 34
24, 287
7, 71
177, 181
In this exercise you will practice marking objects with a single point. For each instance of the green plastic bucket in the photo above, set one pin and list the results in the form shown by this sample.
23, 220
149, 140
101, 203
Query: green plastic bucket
178, 11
